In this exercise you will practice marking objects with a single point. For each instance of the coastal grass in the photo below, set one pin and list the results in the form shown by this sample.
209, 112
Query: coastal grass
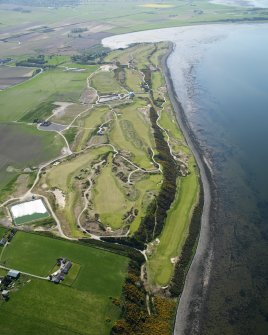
83, 306
160, 267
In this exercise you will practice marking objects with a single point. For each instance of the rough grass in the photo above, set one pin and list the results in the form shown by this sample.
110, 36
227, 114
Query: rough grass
110, 202
133, 80
105, 83
62, 177
147, 188
83, 307
69, 113
88, 124
132, 132
175, 229
41, 112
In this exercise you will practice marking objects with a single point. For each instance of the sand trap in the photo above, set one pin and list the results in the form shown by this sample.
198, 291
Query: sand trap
108, 67
28, 208
60, 197
62, 106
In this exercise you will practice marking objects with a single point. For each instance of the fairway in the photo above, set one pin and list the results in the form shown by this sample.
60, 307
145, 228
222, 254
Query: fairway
100, 276
160, 266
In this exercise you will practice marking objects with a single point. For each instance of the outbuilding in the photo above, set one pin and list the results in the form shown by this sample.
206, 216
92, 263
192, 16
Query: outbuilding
5, 294
14, 274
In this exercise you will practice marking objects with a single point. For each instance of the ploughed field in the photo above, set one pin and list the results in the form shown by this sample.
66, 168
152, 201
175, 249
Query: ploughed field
82, 303
12, 75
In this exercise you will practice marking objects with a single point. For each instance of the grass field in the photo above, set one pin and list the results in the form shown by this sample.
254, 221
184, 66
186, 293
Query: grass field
52, 85
83, 306
30, 218
2, 232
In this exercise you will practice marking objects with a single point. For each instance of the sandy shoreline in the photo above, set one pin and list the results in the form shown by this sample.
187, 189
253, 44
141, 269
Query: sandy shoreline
197, 279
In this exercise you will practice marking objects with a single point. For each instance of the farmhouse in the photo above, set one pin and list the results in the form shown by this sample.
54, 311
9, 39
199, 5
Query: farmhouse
65, 265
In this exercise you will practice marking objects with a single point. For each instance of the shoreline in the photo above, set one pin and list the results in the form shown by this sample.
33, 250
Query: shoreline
197, 278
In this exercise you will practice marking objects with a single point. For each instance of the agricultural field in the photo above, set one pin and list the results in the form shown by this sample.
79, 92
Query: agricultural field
73, 29
23, 146
52, 85
97, 282
12, 75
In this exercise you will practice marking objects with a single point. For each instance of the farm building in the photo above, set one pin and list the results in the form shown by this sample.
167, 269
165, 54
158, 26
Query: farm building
5, 294
14, 274
3, 241
65, 265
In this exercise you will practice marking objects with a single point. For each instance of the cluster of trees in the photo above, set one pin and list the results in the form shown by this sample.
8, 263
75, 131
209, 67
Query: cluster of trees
95, 54
181, 267
33, 61
78, 30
